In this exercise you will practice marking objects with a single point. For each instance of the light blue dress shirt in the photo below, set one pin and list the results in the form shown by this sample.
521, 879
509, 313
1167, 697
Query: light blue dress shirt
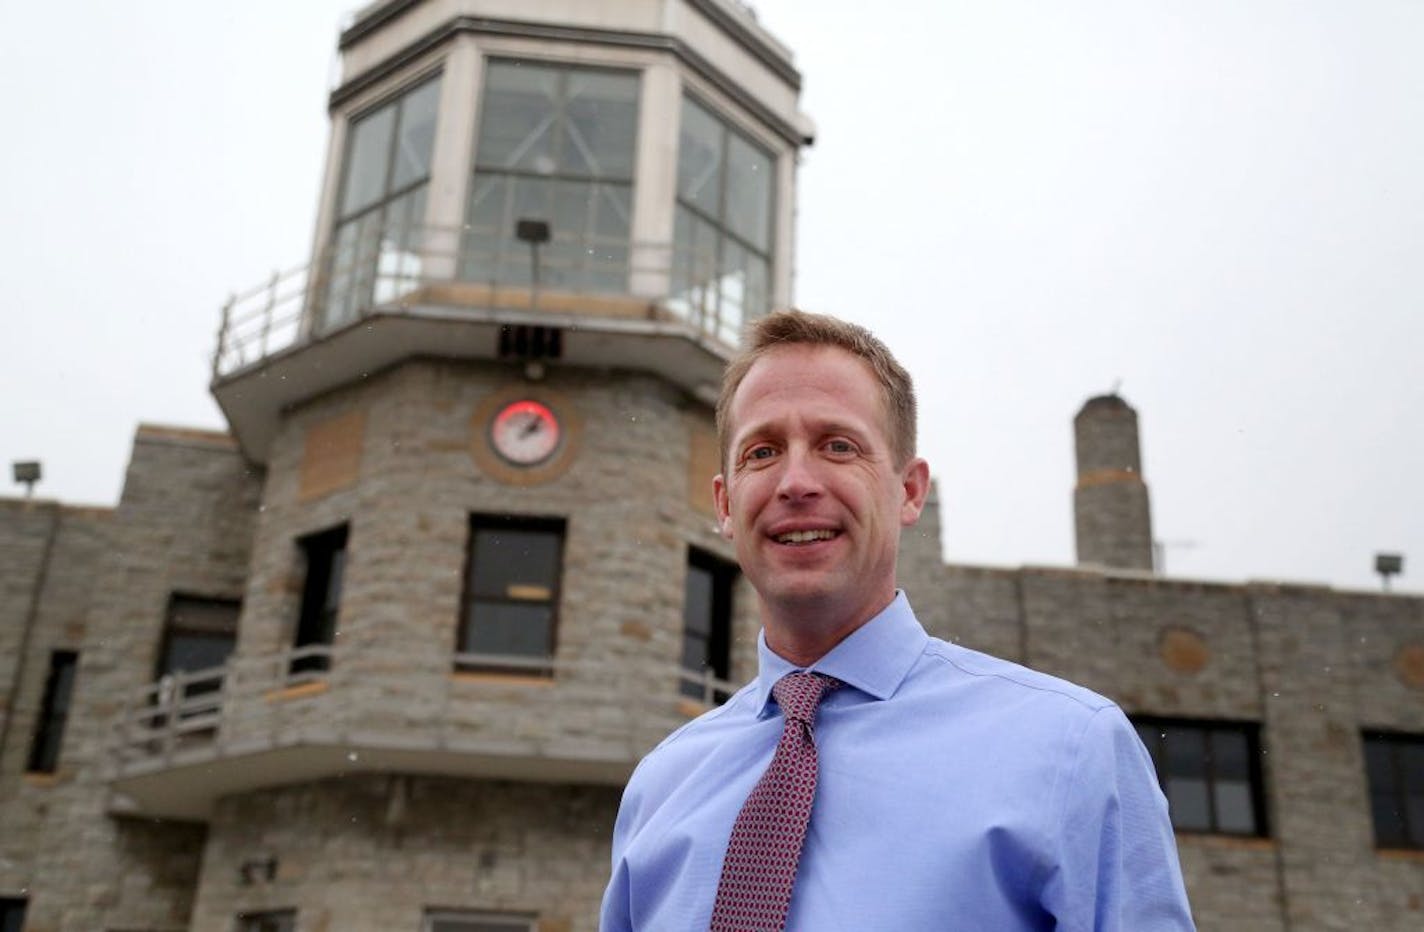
957, 791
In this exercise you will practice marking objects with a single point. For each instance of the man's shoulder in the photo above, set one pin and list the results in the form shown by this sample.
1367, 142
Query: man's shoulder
985, 672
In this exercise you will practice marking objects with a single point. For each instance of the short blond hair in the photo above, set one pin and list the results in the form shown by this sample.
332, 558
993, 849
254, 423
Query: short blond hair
791, 328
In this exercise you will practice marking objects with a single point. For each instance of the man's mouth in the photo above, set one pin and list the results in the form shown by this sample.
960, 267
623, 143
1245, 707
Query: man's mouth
805, 537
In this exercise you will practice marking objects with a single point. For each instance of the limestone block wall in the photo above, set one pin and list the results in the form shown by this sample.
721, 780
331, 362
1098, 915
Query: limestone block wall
630, 511
48, 555
376, 852
183, 524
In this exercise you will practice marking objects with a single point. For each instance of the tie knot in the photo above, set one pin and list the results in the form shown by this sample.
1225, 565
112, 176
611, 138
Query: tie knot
798, 694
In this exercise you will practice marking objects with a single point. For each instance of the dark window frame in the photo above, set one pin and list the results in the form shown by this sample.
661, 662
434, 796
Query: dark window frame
717, 644
12, 913
247, 921
161, 665
526, 664
1250, 731
1412, 838
48, 738
325, 554
511, 922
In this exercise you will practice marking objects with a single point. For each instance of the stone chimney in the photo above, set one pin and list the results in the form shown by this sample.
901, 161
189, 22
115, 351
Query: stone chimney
1112, 518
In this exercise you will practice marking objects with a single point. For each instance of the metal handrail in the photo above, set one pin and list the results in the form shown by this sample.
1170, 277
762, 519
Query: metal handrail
390, 266
189, 708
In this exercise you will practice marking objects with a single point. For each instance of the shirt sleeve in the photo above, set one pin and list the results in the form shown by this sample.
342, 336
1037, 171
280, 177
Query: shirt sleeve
614, 915
1116, 868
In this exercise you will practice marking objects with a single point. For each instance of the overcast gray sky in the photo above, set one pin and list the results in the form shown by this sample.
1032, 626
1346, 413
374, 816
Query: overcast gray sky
1219, 204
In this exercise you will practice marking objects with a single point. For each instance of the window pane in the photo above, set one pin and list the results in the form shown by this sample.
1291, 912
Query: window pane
1388, 820
748, 192
699, 159
1187, 800
519, 114
1379, 766
694, 652
188, 652
514, 558
602, 129
1185, 751
1230, 756
415, 139
1234, 809
519, 628
367, 160
697, 601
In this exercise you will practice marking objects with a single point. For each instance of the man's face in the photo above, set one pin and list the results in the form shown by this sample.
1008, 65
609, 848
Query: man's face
812, 497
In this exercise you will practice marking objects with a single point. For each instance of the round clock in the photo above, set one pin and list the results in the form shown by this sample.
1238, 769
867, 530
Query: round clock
525, 432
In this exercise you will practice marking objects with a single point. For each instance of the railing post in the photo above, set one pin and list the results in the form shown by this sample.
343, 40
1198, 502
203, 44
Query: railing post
269, 310
223, 325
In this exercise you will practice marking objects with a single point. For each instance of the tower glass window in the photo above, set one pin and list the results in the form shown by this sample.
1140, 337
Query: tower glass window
12, 914
375, 244
707, 621
54, 712
511, 593
325, 554
556, 144
1394, 765
1210, 773
721, 270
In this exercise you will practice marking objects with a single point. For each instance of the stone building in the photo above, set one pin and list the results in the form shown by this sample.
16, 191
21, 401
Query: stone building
381, 656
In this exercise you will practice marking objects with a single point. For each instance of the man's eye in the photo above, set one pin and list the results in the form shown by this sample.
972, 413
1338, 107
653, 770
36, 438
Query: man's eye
760, 453
840, 446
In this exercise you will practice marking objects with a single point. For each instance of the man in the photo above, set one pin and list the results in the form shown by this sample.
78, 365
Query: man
873, 778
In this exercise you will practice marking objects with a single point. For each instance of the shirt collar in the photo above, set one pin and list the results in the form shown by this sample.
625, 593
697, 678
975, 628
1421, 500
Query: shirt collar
874, 658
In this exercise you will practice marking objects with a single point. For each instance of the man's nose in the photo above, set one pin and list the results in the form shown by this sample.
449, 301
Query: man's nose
799, 476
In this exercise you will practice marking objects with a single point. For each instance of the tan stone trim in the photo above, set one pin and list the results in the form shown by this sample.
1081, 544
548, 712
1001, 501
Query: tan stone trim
1400, 854
1237, 842
497, 467
331, 455
300, 691
492, 678
690, 708
1099, 477
42, 780
186, 434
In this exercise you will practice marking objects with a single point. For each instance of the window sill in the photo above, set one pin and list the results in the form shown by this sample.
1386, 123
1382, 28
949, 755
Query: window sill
500, 678
1415, 855
42, 780
300, 691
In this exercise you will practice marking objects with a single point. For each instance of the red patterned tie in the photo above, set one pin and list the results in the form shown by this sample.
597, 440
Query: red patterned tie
760, 868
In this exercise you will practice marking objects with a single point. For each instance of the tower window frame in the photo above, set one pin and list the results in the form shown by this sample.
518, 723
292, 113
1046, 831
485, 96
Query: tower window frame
1210, 771
54, 712
568, 158
319, 613
707, 617
1394, 772
723, 244
509, 609
378, 226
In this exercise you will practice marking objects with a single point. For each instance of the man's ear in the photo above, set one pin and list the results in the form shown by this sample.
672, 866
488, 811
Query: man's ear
916, 483
723, 505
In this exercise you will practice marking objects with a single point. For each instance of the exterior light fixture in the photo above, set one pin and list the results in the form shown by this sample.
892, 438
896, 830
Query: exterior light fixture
27, 472
536, 233
1387, 565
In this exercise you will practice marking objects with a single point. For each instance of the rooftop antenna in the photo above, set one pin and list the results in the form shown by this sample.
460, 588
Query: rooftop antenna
1387, 565
27, 472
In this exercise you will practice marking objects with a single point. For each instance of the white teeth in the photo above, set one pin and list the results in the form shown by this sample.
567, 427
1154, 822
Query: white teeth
802, 537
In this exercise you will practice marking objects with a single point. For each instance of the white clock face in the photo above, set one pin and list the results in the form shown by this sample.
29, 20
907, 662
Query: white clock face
525, 432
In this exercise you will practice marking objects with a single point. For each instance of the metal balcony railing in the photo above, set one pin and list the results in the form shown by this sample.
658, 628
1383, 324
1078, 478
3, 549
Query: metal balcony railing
394, 270
206, 708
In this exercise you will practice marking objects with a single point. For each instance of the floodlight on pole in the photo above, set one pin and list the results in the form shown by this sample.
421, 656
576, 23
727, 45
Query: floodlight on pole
27, 472
535, 233
1387, 565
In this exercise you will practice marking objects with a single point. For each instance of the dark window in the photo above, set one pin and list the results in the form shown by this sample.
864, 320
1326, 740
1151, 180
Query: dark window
198, 635
707, 621
49, 730
280, 921
721, 271
1210, 773
1394, 764
12, 914
375, 252
321, 595
556, 144
512, 591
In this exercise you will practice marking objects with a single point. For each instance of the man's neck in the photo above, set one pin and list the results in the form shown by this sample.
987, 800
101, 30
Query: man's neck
802, 636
